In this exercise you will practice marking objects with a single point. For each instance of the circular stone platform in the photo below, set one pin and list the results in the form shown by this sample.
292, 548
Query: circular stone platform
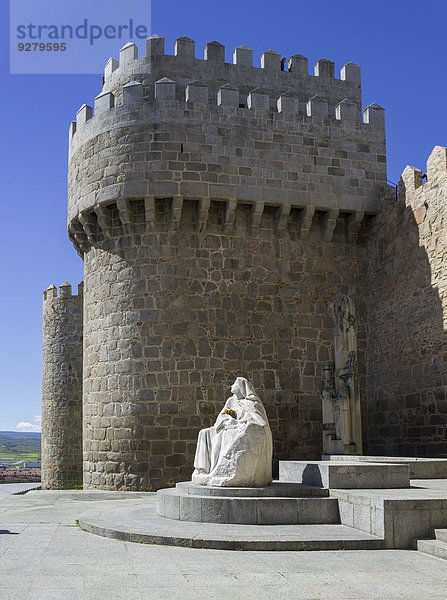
277, 504
277, 489
138, 522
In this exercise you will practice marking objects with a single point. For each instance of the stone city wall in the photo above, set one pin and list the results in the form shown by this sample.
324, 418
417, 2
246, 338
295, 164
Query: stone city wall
407, 317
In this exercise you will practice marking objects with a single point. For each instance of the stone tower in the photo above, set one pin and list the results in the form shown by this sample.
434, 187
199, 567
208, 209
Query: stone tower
219, 208
62, 388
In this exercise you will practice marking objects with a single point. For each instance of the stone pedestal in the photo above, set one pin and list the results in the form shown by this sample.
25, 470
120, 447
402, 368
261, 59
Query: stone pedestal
277, 504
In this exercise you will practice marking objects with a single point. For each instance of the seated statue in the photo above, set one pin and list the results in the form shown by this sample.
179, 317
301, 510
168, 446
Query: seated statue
237, 450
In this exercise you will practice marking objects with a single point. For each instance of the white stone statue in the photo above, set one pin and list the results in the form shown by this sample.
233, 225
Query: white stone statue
237, 450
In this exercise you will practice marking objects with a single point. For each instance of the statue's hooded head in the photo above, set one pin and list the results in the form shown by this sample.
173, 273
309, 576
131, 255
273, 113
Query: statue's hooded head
243, 389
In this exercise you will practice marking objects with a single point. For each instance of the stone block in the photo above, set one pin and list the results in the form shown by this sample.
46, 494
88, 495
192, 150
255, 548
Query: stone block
243, 56
271, 60
215, 511
185, 48
134, 189
111, 66
72, 130
165, 89
287, 103
435, 548
190, 508
106, 194
346, 512
317, 511
242, 510
269, 514
298, 64
374, 114
155, 45
168, 505
84, 114
324, 68
345, 475
228, 95
65, 289
346, 110
437, 165
351, 72
317, 107
104, 101
258, 100
214, 51
362, 517
196, 91
132, 92
420, 468
128, 53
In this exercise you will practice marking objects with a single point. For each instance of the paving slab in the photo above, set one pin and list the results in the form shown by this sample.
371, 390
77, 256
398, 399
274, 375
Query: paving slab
18, 488
115, 569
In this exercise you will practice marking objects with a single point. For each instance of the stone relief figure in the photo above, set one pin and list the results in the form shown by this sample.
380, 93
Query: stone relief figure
342, 431
237, 450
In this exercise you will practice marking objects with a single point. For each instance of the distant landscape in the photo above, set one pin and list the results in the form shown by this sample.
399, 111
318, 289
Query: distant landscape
16, 446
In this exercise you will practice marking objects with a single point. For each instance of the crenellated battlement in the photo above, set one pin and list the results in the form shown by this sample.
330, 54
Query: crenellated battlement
183, 70
179, 129
414, 185
176, 75
65, 291
166, 90
184, 58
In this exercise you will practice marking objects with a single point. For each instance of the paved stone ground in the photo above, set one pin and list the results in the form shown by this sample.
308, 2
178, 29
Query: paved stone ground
45, 556
17, 488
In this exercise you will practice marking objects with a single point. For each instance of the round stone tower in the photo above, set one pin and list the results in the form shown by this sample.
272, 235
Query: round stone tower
62, 388
217, 208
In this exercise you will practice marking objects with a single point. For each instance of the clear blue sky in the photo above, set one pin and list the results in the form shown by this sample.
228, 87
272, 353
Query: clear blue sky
400, 45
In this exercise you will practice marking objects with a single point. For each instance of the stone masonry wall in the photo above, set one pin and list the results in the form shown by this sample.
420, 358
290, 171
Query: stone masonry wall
62, 388
171, 318
407, 317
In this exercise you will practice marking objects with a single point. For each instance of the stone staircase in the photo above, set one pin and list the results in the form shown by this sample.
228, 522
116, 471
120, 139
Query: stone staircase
315, 505
435, 547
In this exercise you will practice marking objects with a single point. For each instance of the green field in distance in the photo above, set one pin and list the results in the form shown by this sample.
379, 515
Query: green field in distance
15, 446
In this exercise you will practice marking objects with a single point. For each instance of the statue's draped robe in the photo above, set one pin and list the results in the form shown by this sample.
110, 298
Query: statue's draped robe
236, 452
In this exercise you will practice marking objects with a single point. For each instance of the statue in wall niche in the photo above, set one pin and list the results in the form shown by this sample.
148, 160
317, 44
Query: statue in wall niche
342, 427
237, 450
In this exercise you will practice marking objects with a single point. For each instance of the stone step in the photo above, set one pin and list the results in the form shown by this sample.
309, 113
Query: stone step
277, 489
345, 475
441, 535
433, 547
139, 522
420, 468
249, 510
